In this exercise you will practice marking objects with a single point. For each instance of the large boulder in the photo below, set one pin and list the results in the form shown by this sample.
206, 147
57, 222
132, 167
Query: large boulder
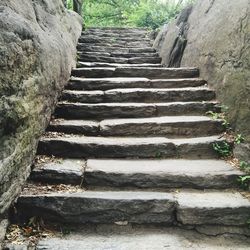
37, 51
214, 35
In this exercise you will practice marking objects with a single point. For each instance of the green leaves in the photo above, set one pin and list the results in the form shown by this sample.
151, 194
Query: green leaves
133, 13
223, 149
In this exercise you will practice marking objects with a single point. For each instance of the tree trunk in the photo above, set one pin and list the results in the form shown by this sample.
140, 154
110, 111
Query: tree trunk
77, 5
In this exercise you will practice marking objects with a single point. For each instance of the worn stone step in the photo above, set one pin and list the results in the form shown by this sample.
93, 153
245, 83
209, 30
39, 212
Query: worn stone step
83, 47
114, 34
132, 110
201, 174
120, 147
153, 73
123, 82
108, 59
62, 171
122, 40
181, 126
84, 127
147, 95
129, 45
114, 65
187, 208
100, 207
144, 237
116, 54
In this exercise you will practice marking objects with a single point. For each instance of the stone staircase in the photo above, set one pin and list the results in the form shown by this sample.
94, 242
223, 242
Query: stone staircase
135, 136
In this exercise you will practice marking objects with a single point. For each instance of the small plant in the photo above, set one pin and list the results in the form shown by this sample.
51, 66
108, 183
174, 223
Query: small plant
245, 166
239, 139
223, 149
220, 116
244, 182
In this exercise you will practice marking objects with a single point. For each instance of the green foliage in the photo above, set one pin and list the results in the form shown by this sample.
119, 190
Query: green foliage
220, 116
245, 166
223, 149
131, 13
239, 139
244, 182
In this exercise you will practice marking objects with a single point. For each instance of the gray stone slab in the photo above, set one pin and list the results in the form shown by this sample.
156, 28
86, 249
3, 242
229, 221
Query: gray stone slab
186, 108
100, 207
146, 95
177, 83
183, 126
104, 110
74, 127
161, 173
93, 72
103, 64
107, 83
119, 147
212, 208
157, 73
110, 147
62, 171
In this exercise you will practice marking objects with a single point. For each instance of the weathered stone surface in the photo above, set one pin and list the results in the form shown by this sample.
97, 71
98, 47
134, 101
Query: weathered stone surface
37, 52
3, 228
212, 208
100, 207
174, 126
74, 127
130, 110
186, 108
130, 82
93, 72
104, 110
221, 51
161, 174
107, 83
94, 96
157, 73
146, 95
146, 238
198, 147
119, 147
242, 152
110, 147
158, 95
110, 65
61, 171
154, 73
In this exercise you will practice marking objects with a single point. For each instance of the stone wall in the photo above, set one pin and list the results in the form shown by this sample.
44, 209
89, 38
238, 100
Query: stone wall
214, 35
37, 51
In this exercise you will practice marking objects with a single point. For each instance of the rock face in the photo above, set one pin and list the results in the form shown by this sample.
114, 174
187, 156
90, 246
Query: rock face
215, 37
37, 51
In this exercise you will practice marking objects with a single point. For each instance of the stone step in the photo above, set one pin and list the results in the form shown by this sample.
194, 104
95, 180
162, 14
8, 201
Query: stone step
177, 126
122, 82
122, 173
117, 29
108, 59
114, 34
114, 65
61, 171
147, 95
117, 54
146, 237
129, 45
132, 110
152, 73
201, 174
183, 126
122, 147
83, 47
123, 40
186, 208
